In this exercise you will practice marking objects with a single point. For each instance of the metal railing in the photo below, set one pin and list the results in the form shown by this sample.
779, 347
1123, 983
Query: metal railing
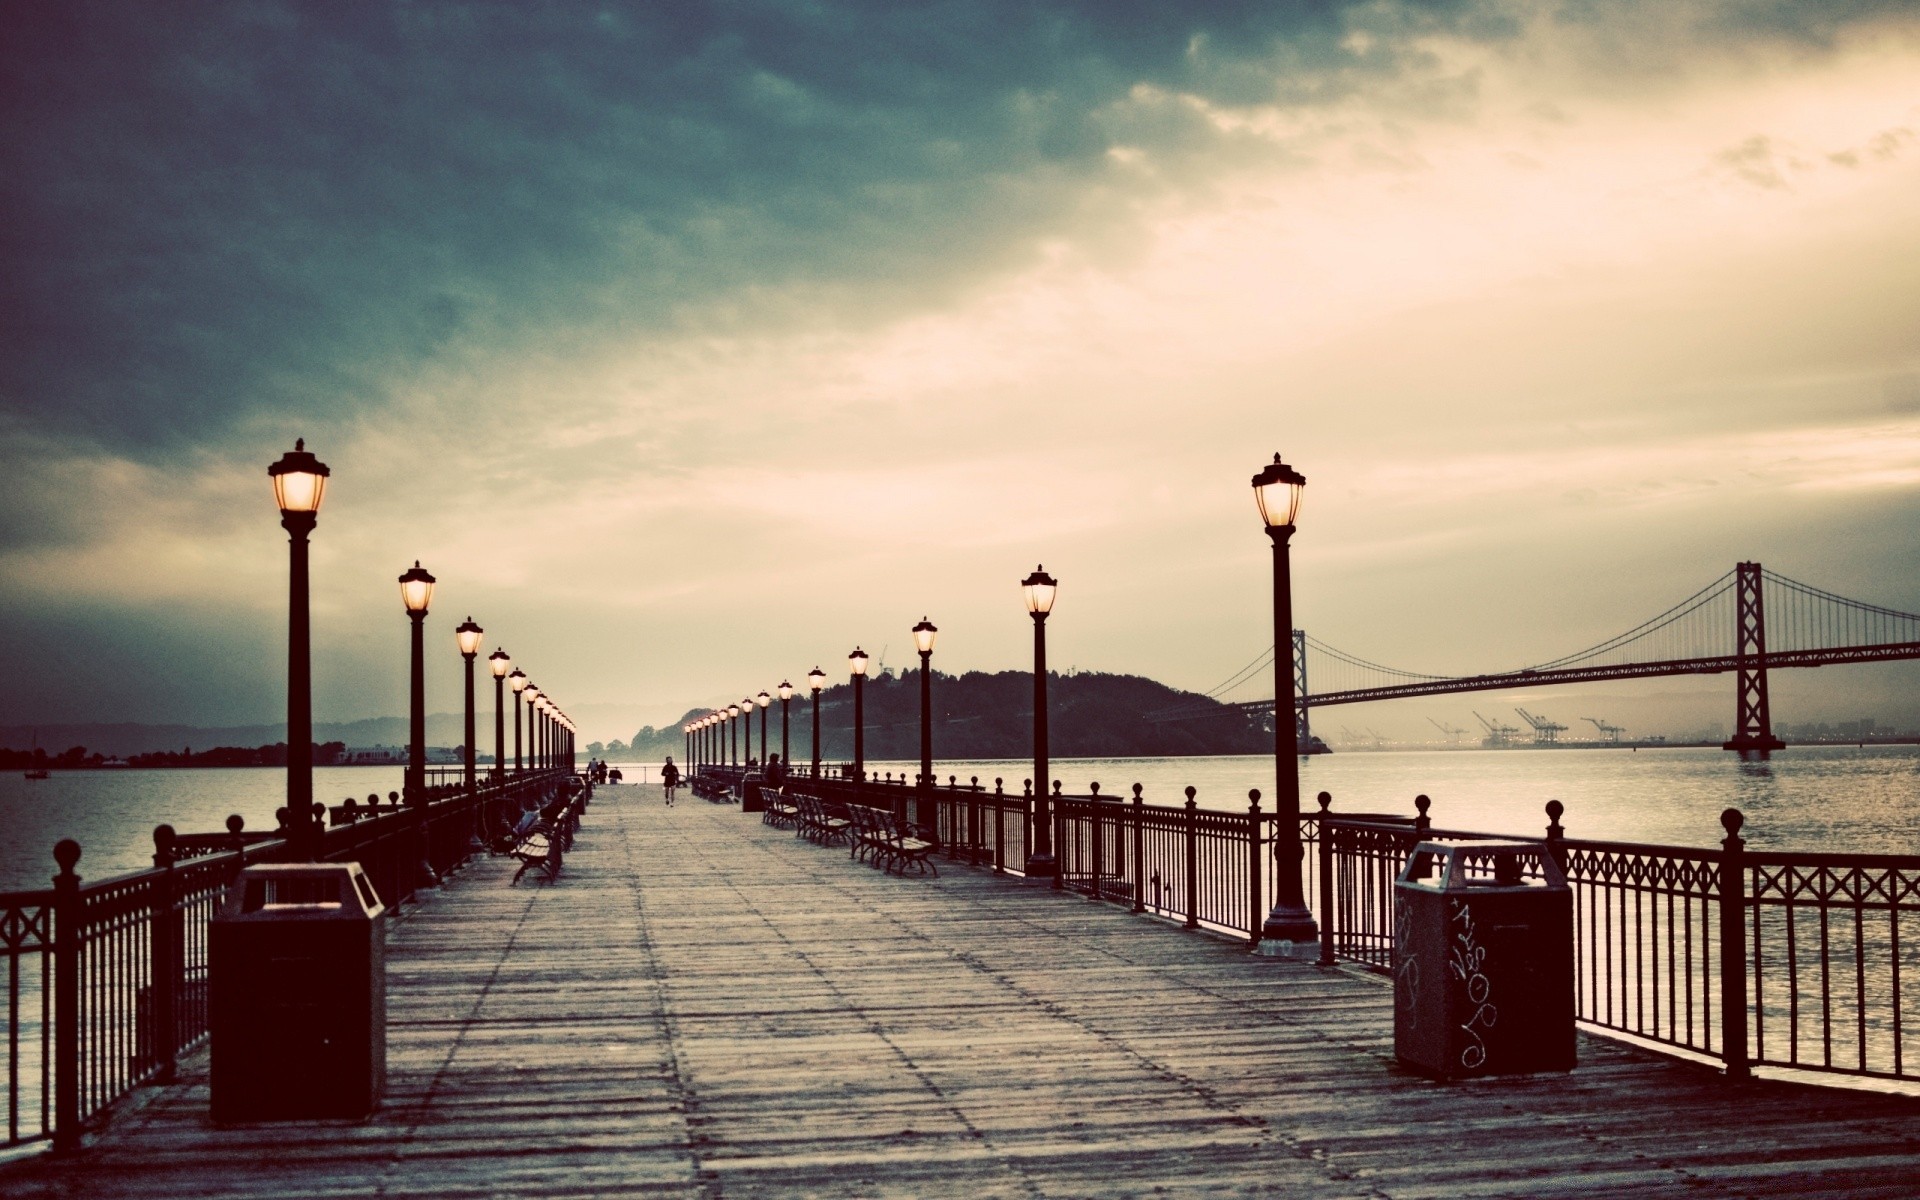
107, 981
1773, 958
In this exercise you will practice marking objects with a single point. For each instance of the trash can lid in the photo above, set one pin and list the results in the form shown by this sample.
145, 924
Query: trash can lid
1482, 866
301, 891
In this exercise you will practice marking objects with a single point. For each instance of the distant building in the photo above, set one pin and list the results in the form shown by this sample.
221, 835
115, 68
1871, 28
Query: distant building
395, 756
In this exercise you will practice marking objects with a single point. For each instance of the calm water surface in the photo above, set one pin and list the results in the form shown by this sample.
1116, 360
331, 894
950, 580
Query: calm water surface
1812, 798
111, 813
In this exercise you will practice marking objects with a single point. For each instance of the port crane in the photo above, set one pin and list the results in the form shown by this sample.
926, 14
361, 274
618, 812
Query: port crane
1545, 732
1610, 732
1499, 733
1452, 732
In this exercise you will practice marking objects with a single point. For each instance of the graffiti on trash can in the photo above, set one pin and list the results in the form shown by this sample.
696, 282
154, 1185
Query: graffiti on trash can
1406, 967
1467, 960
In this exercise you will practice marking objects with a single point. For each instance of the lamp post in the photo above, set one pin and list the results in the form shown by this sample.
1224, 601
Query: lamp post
786, 699
923, 634
531, 694
858, 661
1276, 489
763, 700
498, 662
1039, 589
299, 482
467, 634
733, 735
746, 730
416, 592
518, 681
816, 679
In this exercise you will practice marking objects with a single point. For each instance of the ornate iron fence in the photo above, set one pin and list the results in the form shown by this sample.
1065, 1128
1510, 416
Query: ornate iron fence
107, 981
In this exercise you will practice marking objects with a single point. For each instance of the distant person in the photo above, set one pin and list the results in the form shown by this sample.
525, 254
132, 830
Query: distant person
776, 772
614, 775
669, 779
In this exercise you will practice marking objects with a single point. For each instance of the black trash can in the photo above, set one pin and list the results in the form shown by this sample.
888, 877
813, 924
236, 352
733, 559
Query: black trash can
751, 799
298, 979
1483, 961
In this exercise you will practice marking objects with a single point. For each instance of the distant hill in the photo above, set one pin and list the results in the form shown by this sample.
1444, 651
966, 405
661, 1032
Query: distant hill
982, 715
976, 715
126, 739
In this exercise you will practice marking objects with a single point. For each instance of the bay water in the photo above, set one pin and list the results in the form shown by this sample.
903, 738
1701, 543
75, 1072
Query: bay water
1833, 798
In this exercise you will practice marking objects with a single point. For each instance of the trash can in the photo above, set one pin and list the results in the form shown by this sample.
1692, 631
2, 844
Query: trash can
1483, 961
298, 982
751, 799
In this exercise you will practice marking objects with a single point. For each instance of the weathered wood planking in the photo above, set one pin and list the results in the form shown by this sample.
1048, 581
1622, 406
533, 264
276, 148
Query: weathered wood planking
705, 1006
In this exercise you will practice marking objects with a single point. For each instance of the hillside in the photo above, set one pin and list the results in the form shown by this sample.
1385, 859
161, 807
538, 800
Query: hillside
982, 715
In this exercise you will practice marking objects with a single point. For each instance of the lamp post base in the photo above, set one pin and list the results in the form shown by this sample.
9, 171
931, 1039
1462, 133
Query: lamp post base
1040, 866
1288, 932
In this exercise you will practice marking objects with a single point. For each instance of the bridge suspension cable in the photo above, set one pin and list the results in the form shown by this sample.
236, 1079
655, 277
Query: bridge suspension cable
1799, 618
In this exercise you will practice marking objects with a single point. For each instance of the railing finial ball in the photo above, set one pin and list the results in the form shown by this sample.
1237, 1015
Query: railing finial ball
235, 823
1192, 791
1555, 810
162, 837
1137, 789
1731, 820
1253, 794
1421, 804
1326, 801
66, 852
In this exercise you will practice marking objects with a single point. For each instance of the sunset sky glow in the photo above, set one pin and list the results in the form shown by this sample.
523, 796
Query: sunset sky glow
691, 345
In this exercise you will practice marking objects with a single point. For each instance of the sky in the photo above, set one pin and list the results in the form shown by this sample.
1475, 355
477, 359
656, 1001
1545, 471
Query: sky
691, 345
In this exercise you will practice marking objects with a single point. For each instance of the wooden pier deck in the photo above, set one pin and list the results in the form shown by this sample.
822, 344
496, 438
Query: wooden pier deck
704, 1006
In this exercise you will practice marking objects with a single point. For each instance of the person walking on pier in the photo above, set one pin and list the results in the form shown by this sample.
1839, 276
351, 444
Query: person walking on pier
669, 779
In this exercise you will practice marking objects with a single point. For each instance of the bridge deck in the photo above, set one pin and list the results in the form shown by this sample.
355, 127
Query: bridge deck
703, 1006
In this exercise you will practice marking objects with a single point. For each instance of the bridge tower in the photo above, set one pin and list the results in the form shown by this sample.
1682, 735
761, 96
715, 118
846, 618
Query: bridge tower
1753, 718
1302, 732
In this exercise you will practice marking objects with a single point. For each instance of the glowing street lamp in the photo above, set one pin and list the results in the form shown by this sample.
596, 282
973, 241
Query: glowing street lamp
416, 592
923, 634
1039, 589
816, 679
786, 698
858, 662
467, 635
299, 483
498, 662
1276, 490
518, 681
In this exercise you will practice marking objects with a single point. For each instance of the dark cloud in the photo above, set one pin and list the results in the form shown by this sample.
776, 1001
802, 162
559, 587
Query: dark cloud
215, 209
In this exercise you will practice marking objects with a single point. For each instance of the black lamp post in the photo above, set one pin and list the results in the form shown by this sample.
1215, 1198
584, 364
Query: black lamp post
416, 592
764, 700
858, 661
1039, 589
923, 635
498, 662
299, 482
531, 694
816, 679
467, 634
518, 681
1276, 489
733, 736
786, 699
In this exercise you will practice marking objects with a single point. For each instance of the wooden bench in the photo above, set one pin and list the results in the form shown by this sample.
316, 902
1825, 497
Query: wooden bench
888, 840
821, 821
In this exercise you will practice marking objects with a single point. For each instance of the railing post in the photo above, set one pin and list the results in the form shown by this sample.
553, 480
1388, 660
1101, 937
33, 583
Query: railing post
1254, 889
1060, 839
163, 958
973, 822
1421, 821
999, 825
1323, 835
1733, 947
1556, 835
1099, 851
66, 998
1139, 850
1193, 859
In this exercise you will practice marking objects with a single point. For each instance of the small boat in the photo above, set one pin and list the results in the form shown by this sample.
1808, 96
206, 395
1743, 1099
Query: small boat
38, 773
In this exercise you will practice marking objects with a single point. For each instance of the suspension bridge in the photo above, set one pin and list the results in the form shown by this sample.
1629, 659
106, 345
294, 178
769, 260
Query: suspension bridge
1749, 621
